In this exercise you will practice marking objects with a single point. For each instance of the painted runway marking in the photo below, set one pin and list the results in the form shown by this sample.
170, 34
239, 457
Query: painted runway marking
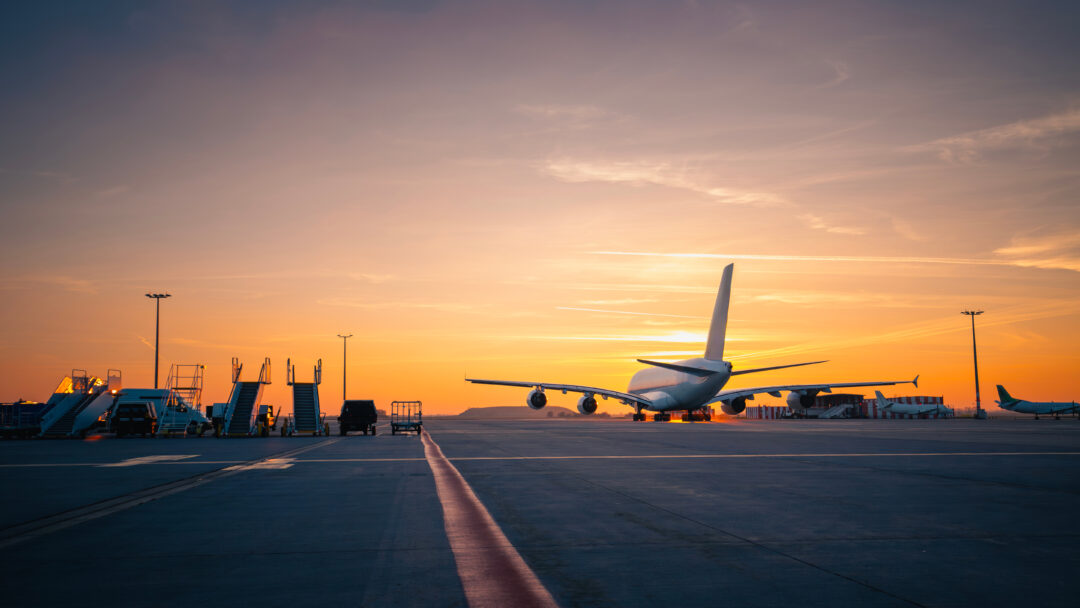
269, 463
60, 521
586, 457
492, 572
131, 462
801, 455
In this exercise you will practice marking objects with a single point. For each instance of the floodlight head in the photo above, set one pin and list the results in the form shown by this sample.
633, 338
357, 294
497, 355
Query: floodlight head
971, 313
158, 296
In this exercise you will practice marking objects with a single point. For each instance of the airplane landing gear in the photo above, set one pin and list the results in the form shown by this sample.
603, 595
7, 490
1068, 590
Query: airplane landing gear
639, 417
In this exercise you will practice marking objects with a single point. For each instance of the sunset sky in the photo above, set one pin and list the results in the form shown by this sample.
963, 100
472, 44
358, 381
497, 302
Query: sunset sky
540, 191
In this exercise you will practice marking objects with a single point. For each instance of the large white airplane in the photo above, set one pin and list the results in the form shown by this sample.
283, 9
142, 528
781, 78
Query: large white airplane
692, 384
914, 409
1008, 402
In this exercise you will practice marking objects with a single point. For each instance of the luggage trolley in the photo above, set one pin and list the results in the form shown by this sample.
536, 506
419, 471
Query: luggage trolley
406, 417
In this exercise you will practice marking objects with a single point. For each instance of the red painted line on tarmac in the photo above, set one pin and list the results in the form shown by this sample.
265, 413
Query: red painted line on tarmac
491, 570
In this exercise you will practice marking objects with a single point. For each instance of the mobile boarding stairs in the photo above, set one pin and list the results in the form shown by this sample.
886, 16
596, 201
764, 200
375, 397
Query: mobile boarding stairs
306, 417
242, 410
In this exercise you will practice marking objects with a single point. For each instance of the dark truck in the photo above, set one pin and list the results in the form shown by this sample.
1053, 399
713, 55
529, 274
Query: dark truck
358, 415
135, 417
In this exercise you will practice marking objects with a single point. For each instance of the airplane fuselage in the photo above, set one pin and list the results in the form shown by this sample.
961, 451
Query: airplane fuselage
916, 409
1039, 407
672, 390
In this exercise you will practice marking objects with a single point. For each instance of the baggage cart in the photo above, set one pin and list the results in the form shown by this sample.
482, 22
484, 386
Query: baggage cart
406, 417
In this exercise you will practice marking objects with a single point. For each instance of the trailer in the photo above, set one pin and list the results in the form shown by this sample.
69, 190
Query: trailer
406, 417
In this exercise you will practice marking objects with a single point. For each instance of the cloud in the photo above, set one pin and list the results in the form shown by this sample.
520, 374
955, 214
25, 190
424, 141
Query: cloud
112, 191
1061, 263
372, 278
906, 230
920, 331
563, 113
1037, 133
370, 305
819, 298
1059, 251
625, 312
677, 337
817, 223
69, 284
841, 73
642, 173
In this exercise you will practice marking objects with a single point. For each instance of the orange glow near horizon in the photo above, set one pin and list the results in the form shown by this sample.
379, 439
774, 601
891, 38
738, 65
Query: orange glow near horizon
531, 193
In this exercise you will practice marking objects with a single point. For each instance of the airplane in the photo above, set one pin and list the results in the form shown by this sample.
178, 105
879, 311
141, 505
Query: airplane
915, 409
1008, 402
692, 384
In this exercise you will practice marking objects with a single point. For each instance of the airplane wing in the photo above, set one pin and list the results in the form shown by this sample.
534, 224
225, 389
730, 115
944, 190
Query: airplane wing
627, 398
775, 391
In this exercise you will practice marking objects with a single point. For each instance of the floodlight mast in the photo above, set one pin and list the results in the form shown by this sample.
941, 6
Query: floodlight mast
979, 413
157, 297
344, 362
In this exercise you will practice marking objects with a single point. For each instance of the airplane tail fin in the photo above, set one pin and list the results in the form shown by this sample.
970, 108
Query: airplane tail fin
714, 348
1006, 398
881, 401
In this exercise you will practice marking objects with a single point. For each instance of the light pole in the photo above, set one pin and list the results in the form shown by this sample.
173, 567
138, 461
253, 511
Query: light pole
344, 361
157, 297
979, 413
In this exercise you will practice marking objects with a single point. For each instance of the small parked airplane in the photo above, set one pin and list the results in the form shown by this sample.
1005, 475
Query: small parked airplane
692, 384
1008, 402
914, 409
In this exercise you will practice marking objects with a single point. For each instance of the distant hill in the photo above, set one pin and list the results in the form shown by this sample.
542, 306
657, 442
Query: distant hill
506, 412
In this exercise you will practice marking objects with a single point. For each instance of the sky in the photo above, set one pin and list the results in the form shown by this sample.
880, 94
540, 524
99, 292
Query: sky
540, 191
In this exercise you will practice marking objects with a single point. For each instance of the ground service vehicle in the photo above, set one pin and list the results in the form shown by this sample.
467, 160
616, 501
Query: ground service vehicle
134, 417
267, 419
406, 417
358, 415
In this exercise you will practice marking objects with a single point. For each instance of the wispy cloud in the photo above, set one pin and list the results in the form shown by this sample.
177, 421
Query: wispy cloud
145, 342
112, 191
810, 258
68, 283
372, 278
818, 298
576, 114
643, 173
920, 331
678, 337
1034, 133
1047, 251
376, 305
818, 223
906, 230
841, 73
626, 312
1049, 262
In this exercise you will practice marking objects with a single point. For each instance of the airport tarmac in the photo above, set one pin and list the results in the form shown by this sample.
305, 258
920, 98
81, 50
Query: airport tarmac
604, 512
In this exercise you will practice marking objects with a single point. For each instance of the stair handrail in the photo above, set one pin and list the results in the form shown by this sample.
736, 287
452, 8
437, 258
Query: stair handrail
264, 373
236, 367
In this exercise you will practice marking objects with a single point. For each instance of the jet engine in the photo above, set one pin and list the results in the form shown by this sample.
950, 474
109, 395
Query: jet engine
733, 407
798, 400
587, 405
536, 399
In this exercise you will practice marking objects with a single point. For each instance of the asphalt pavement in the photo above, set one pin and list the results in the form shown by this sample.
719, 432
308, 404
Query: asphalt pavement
604, 512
